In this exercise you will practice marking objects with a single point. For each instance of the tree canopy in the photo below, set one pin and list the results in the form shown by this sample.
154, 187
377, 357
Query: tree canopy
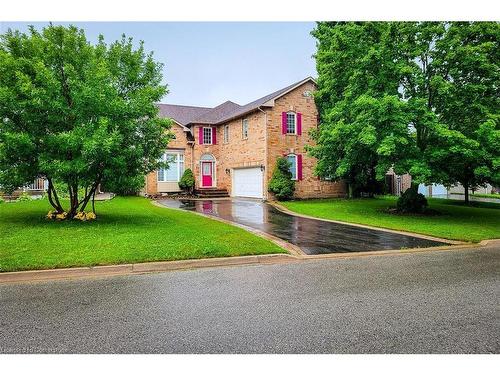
77, 113
421, 97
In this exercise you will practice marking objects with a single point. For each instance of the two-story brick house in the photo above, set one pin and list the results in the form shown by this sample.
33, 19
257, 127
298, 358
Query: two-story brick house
235, 147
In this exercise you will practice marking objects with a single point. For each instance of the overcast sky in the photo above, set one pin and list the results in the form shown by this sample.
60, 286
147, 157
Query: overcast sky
211, 62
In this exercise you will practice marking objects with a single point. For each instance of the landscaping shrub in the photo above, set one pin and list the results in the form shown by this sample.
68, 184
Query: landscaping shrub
24, 197
411, 201
281, 184
123, 185
187, 181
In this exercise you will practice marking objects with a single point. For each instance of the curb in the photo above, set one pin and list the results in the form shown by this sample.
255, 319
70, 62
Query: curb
178, 265
141, 268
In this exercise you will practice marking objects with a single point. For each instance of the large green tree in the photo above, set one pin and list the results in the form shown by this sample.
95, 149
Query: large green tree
401, 94
76, 113
362, 117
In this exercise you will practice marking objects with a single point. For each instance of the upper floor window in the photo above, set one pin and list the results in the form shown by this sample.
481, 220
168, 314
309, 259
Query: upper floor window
291, 123
244, 128
207, 136
174, 169
226, 133
292, 158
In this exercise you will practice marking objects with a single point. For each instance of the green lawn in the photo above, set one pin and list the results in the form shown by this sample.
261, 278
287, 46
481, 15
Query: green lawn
127, 230
457, 221
479, 195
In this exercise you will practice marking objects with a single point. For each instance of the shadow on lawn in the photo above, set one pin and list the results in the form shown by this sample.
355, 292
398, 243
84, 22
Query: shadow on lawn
104, 219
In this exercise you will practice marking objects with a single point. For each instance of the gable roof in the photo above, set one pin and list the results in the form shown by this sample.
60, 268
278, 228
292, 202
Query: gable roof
265, 101
187, 115
216, 114
182, 114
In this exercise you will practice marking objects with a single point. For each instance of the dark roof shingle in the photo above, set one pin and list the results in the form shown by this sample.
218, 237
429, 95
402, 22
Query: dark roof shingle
216, 114
183, 114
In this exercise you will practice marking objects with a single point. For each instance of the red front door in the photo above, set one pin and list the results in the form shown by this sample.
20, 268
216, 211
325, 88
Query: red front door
206, 174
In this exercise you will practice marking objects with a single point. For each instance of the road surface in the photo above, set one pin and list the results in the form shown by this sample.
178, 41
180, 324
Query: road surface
430, 302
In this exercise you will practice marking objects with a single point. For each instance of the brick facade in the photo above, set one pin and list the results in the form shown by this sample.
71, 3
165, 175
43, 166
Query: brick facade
265, 143
237, 152
280, 144
179, 143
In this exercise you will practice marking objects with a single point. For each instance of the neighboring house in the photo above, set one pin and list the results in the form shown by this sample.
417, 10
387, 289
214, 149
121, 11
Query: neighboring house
37, 188
433, 190
436, 190
235, 148
397, 184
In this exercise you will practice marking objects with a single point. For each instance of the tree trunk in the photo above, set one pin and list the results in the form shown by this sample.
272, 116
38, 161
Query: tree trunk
350, 190
466, 192
91, 194
93, 203
53, 198
73, 200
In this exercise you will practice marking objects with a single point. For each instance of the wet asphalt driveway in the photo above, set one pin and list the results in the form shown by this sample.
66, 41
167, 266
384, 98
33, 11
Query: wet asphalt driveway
312, 236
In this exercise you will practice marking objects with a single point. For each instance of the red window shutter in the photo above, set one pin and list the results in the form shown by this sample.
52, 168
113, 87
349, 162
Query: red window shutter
283, 122
299, 123
200, 135
214, 135
299, 167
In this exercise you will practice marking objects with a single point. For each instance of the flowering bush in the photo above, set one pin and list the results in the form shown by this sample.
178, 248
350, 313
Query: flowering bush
61, 216
82, 216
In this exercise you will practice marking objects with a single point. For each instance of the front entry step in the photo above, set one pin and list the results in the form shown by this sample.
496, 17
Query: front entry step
212, 193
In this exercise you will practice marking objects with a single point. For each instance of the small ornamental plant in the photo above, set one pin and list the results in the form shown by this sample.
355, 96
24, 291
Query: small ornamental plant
82, 216
411, 201
281, 184
187, 181
24, 197
85, 216
54, 215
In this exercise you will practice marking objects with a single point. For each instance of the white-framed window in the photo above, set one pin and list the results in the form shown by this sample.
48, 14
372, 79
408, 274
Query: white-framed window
292, 158
175, 169
291, 123
207, 136
244, 128
226, 133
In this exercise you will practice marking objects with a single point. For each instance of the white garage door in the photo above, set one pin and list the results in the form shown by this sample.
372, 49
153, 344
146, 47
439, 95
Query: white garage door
247, 182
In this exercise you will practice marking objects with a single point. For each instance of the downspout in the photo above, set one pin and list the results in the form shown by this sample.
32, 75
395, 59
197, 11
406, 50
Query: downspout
265, 151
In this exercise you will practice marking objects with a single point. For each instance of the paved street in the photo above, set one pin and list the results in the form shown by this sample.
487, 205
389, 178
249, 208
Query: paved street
432, 302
